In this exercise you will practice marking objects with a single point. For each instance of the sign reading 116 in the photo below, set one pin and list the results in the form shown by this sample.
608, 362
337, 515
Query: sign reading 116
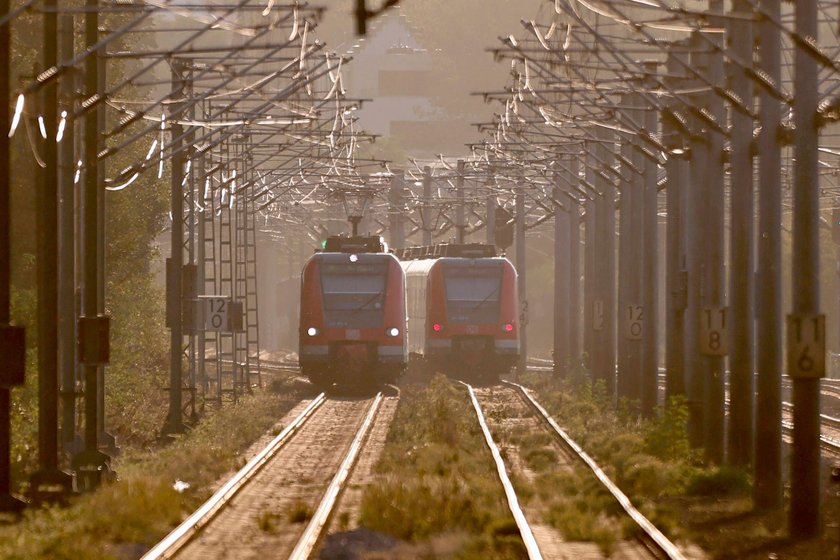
806, 346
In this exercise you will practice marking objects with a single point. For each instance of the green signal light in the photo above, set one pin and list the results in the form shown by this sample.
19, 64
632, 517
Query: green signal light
323, 244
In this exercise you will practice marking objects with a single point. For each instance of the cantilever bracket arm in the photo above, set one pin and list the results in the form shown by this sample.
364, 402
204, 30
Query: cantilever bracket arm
363, 14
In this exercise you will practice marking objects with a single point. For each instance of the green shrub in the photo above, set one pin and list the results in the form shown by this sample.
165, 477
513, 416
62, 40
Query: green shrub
723, 481
650, 477
666, 435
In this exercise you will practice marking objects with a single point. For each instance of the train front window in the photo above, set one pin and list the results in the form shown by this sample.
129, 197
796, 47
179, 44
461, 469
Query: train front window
472, 293
354, 294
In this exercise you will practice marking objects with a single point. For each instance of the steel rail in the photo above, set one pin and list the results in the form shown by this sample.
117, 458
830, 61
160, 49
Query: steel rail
827, 443
513, 503
182, 534
830, 421
657, 539
314, 530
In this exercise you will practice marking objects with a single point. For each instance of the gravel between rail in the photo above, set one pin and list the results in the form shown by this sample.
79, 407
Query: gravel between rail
266, 518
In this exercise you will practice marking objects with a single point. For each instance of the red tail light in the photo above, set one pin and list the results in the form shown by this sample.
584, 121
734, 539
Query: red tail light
507, 327
437, 327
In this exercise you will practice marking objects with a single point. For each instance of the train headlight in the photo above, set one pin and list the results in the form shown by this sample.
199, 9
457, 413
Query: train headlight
507, 327
312, 331
393, 331
354, 258
437, 327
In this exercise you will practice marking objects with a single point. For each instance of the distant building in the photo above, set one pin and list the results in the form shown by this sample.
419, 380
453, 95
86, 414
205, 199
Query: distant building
391, 68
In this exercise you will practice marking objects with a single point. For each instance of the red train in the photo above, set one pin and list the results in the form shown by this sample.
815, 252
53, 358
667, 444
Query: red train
352, 314
463, 309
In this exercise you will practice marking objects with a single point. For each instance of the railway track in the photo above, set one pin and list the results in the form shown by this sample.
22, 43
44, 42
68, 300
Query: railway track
514, 404
829, 430
299, 476
830, 425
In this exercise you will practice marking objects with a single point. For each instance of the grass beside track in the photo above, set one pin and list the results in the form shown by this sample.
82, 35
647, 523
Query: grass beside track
650, 460
437, 488
124, 519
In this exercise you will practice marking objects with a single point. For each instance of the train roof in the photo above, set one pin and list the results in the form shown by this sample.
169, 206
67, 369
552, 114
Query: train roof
352, 257
356, 244
423, 266
463, 250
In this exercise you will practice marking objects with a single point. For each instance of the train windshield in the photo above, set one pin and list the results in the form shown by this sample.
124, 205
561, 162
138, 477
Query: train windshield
354, 294
472, 293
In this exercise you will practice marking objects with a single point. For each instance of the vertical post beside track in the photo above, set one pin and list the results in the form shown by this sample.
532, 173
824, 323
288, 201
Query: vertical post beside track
806, 364
90, 463
650, 259
48, 476
12, 353
520, 269
741, 369
562, 312
174, 423
767, 492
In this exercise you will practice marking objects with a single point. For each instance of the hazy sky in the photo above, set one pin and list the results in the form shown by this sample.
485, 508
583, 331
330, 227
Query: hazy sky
459, 32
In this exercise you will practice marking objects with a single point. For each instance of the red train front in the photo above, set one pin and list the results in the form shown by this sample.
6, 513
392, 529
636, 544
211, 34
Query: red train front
352, 314
463, 310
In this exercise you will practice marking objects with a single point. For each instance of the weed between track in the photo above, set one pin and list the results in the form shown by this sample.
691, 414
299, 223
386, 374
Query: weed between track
299, 512
437, 487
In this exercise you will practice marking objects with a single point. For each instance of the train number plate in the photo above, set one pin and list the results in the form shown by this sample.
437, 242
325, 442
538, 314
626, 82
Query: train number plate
472, 329
352, 334
473, 344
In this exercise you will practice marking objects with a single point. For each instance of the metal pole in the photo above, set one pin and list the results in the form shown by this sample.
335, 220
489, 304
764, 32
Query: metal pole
427, 206
589, 276
605, 242
7, 501
174, 423
520, 268
741, 274
200, 272
396, 221
460, 222
650, 264
67, 251
713, 277
90, 463
630, 301
768, 414
49, 482
675, 279
574, 261
562, 313
190, 292
490, 220
805, 504
693, 250
106, 440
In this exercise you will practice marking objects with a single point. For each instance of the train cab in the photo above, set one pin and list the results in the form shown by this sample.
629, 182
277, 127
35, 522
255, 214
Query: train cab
353, 316
463, 310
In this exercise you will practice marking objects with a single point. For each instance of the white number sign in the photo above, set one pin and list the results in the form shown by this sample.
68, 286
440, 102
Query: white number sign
634, 317
216, 314
713, 333
806, 346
